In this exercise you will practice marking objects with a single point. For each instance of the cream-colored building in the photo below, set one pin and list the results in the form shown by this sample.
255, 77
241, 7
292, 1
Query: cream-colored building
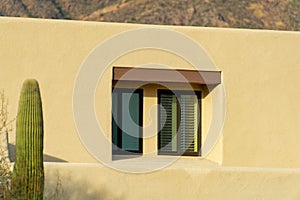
202, 113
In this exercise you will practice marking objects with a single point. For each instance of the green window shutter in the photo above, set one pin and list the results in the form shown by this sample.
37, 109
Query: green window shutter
189, 123
168, 122
115, 120
130, 121
126, 121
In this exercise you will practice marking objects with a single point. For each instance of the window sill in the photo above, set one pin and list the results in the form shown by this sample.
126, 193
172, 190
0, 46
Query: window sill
142, 163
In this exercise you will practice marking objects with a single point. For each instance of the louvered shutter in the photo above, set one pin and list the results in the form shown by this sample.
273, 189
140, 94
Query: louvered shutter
189, 123
168, 123
183, 114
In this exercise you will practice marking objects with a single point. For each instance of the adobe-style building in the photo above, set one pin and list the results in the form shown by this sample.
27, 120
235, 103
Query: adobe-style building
160, 112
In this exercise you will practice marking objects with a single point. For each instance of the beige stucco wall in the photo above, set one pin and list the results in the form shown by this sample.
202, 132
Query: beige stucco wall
260, 75
56, 67
260, 72
176, 182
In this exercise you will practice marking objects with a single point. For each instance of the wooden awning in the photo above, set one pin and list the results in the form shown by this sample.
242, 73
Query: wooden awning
166, 75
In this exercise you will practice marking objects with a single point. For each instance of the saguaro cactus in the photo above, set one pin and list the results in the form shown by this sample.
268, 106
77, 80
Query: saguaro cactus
28, 173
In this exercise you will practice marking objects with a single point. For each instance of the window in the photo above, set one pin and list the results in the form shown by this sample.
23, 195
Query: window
179, 122
127, 112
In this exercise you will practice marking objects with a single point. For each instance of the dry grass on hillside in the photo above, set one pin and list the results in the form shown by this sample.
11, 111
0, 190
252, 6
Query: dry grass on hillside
267, 14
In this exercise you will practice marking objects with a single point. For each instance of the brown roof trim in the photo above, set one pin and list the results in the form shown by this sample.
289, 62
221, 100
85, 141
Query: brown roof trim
166, 75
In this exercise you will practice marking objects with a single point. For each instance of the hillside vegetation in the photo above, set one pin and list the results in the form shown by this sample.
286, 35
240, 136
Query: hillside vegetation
259, 14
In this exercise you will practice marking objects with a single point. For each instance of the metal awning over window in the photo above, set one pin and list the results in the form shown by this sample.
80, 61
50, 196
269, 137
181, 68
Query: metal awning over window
166, 75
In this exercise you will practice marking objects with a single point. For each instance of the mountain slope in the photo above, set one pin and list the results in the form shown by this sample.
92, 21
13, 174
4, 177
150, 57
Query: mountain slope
267, 14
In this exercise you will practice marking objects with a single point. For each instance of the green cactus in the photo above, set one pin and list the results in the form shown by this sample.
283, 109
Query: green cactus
28, 173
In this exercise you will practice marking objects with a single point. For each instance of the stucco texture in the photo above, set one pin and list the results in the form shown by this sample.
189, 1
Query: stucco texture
257, 156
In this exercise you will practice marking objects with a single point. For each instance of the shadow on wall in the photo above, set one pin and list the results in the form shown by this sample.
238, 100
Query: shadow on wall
61, 187
47, 158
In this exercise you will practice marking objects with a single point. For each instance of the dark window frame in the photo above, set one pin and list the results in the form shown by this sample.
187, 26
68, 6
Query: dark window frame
177, 93
120, 151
